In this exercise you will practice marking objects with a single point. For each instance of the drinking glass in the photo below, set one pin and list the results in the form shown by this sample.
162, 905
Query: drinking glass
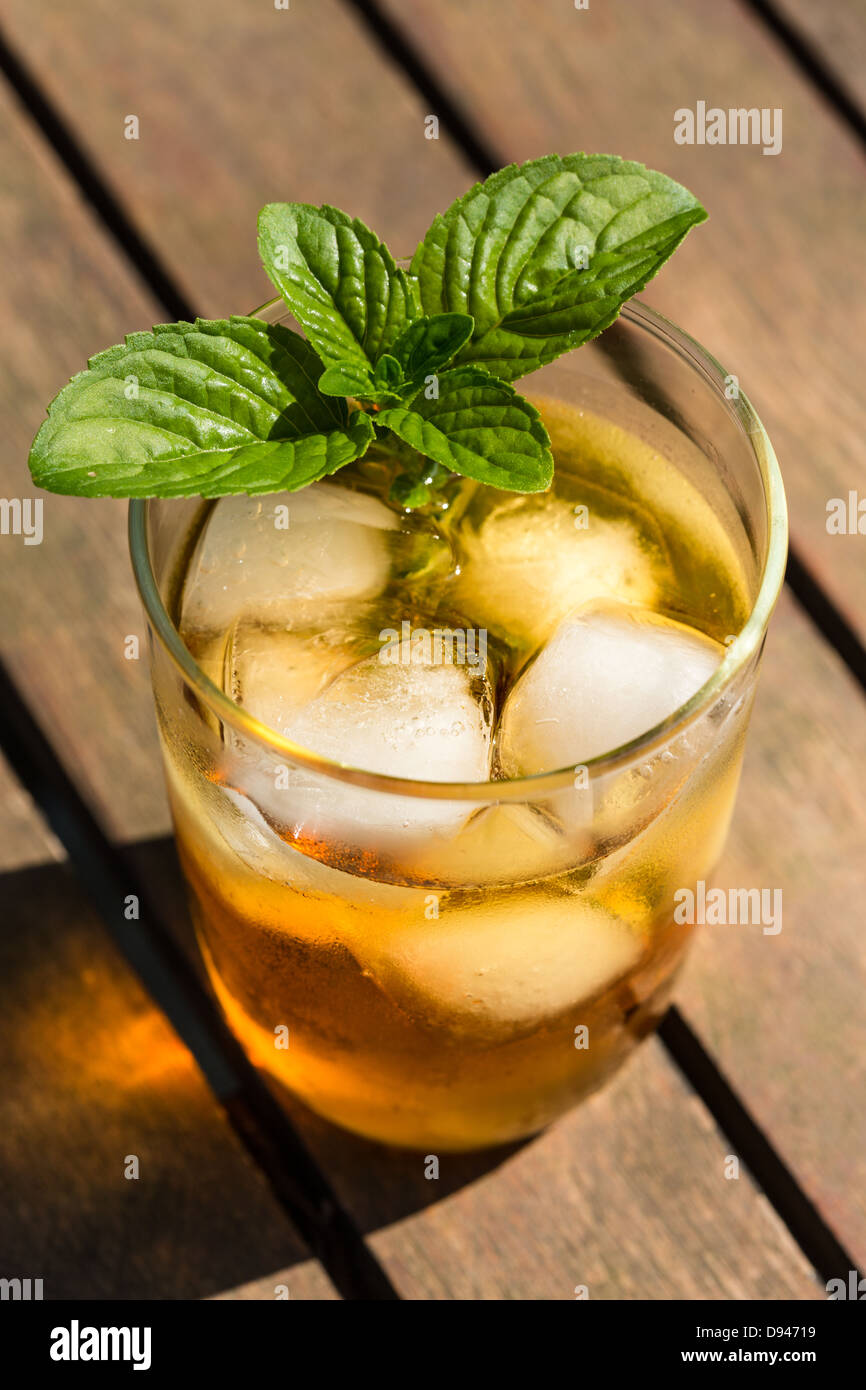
442, 965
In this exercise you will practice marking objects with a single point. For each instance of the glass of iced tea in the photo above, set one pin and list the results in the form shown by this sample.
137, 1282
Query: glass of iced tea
437, 776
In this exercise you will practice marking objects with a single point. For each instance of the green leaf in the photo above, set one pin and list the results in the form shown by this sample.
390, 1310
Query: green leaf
409, 491
197, 409
340, 282
429, 344
478, 427
388, 373
544, 255
347, 379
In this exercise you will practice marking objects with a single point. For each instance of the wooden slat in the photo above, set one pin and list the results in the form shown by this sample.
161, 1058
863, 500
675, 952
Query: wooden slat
371, 108
283, 1284
773, 283
836, 34
69, 603
627, 1196
92, 1074
279, 104
784, 1013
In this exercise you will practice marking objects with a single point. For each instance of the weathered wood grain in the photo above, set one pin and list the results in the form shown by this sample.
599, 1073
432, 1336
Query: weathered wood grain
287, 104
785, 1013
211, 258
836, 34
773, 284
283, 1284
69, 603
626, 1196
92, 1075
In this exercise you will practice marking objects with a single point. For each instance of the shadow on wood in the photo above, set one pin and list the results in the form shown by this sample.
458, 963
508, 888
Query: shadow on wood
96, 1086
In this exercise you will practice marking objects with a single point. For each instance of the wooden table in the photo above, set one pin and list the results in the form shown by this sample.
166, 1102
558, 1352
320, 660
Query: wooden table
110, 1047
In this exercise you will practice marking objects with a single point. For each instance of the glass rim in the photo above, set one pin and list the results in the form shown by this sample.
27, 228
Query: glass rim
740, 651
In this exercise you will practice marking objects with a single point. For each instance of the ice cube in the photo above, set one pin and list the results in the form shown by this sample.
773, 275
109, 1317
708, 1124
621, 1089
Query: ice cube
609, 673
241, 848
504, 964
274, 673
285, 557
504, 843
407, 712
245, 830
530, 560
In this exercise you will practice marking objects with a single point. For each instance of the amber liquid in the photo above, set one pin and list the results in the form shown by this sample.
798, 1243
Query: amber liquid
466, 995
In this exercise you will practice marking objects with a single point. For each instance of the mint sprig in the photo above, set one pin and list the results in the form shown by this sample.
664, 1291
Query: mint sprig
527, 265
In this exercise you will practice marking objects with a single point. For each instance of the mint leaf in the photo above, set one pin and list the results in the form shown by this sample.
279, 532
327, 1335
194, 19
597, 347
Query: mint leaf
340, 282
409, 491
478, 427
388, 373
347, 379
429, 344
203, 409
544, 254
